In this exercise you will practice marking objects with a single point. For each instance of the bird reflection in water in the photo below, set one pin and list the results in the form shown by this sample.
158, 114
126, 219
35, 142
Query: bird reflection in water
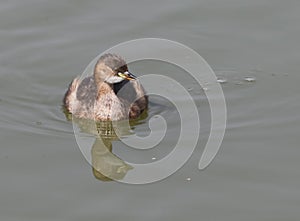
106, 166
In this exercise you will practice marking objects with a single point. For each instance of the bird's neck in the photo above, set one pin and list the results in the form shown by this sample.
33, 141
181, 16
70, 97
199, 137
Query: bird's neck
104, 88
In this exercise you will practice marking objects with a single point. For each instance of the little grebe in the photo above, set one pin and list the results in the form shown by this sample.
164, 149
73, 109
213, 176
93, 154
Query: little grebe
112, 93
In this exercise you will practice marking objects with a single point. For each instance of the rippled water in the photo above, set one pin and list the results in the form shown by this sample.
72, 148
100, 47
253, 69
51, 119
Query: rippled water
251, 45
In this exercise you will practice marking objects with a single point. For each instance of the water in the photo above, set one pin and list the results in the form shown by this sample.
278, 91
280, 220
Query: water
255, 176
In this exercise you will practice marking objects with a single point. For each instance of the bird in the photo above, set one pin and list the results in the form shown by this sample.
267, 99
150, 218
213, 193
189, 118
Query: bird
112, 93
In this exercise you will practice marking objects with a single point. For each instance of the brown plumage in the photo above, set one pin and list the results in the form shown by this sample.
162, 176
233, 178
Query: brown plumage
112, 93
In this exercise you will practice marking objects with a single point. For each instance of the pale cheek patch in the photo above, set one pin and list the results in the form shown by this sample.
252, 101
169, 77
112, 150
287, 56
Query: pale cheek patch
114, 79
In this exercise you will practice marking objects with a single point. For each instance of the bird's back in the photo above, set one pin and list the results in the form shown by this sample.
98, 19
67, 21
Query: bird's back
85, 99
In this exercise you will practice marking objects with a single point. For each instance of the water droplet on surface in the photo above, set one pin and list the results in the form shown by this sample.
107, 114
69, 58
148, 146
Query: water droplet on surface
250, 79
222, 80
188, 179
153, 158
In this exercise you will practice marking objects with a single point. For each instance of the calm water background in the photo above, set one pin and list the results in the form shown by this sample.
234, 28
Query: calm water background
255, 176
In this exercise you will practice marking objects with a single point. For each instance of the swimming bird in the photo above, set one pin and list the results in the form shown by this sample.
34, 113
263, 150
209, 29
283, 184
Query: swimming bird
111, 94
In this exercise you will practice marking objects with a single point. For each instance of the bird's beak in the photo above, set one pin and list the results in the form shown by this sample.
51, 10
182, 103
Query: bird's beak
127, 75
